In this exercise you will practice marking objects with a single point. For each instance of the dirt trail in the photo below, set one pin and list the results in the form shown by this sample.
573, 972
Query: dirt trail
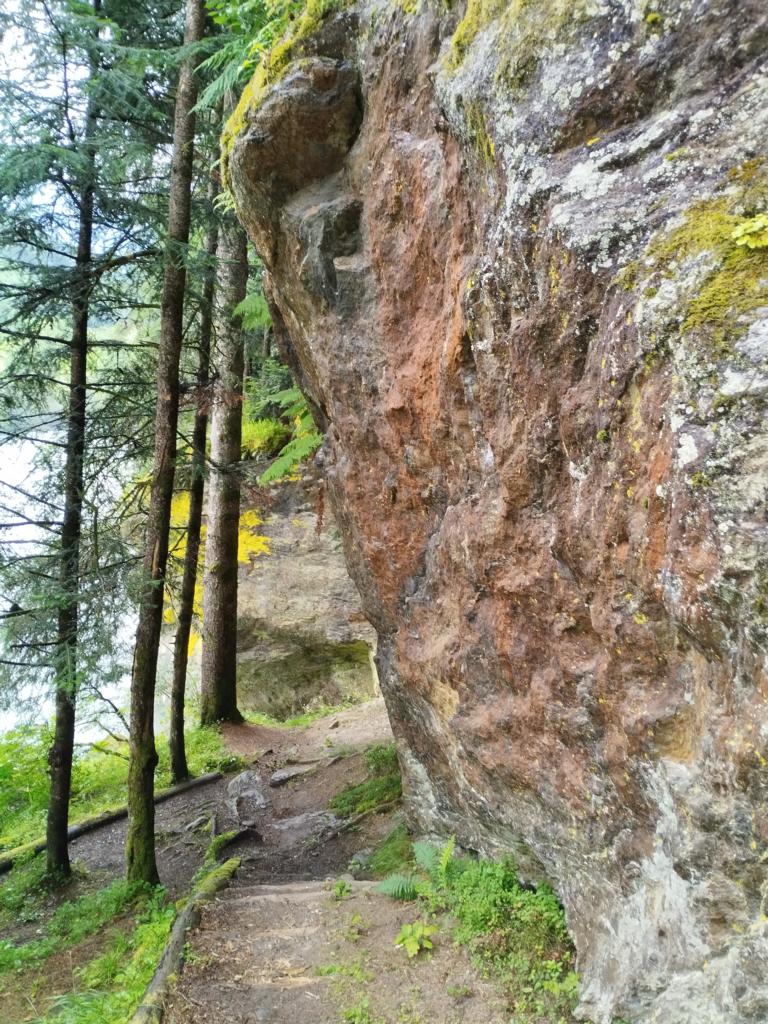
293, 837
296, 938
287, 942
282, 954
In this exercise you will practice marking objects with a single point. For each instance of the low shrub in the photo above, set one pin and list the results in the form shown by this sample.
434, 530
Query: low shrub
516, 933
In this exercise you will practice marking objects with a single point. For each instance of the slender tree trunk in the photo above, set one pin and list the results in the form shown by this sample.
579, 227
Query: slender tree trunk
140, 842
61, 752
179, 767
219, 670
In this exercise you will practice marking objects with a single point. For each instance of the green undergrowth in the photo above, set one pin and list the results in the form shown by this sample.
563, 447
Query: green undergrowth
69, 924
262, 436
110, 987
393, 854
99, 777
297, 721
382, 786
515, 934
303, 437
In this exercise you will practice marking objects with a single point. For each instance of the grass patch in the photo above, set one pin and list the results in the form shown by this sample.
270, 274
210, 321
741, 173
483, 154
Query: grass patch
361, 1013
355, 970
514, 933
24, 890
70, 923
381, 787
394, 854
110, 987
298, 721
366, 796
99, 777
381, 759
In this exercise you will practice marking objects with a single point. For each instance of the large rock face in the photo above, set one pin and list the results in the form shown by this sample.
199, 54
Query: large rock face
519, 265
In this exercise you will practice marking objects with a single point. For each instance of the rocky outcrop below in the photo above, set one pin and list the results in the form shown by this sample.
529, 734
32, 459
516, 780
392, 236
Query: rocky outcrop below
303, 640
518, 256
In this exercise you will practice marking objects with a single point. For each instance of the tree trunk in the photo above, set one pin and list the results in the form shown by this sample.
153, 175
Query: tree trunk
61, 751
179, 768
60, 754
219, 670
140, 842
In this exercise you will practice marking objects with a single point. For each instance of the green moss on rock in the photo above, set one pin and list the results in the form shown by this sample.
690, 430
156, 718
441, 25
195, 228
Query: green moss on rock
526, 25
479, 14
737, 283
478, 130
273, 66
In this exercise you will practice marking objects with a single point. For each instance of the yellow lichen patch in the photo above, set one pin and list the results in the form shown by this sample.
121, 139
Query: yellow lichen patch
484, 144
753, 232
635, 424
249, 543
444, 699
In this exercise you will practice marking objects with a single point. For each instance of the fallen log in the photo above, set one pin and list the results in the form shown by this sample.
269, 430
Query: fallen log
7, 860
151, 1008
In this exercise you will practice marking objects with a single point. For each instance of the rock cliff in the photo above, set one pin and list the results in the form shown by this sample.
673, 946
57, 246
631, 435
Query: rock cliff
517, 253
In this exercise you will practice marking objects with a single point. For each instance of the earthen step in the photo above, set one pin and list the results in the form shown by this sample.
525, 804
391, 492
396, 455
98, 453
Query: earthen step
295, 891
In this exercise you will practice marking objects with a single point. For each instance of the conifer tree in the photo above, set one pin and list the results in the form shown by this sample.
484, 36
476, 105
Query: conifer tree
179, 768
82, 128
140, 843
218, 688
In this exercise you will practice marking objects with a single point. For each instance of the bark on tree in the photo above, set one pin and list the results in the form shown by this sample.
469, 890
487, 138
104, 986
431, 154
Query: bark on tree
179, 767
61, 751
219, 668
141, 864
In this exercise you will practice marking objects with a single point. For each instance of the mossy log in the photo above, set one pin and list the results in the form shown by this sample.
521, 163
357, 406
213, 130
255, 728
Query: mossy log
151, 1007
108, 817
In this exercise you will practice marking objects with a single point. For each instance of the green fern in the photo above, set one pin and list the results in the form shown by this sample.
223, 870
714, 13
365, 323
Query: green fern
427, 857
253, 311
445, 859
290, 400
399, 887
291, 455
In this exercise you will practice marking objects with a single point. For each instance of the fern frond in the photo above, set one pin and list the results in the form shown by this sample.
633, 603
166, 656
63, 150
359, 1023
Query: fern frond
291, 455
253, 311
446, 856
427, 856
398, 887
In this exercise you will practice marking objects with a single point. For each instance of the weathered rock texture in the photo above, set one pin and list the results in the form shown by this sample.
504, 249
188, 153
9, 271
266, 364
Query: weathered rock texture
507, 270
302, 637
